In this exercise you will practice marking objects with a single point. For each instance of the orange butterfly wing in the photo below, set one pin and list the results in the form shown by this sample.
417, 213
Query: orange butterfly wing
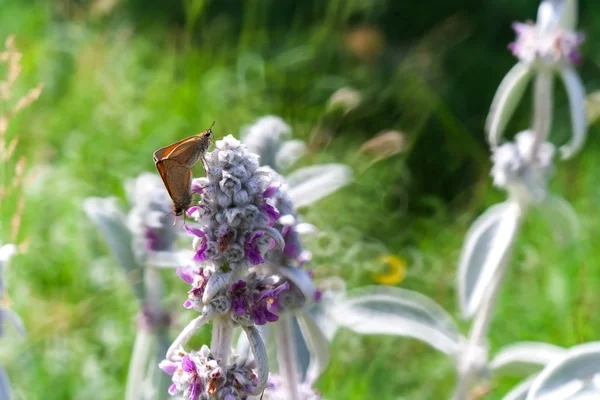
177, 178
187, 151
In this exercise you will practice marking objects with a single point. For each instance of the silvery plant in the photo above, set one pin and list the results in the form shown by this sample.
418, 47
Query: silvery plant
142, 241
522, 168
247, 273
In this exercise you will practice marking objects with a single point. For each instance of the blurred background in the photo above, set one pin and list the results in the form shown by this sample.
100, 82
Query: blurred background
125, 77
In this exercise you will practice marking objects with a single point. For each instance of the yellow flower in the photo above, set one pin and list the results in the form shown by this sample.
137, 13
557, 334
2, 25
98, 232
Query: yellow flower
396, 270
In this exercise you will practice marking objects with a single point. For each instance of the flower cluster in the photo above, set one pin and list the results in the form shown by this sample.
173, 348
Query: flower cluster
250, 301
236, 227
550, 48
149, 217
235, 213
199, 376
270, 138
515, 170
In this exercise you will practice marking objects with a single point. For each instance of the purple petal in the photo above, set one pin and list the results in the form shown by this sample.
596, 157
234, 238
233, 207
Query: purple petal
271, 212
271, 317
520, 27
259, 318
188, 365
185, 274
195, 231
239, 306
152, 239
188, 304
277, 291
241, 284
253, 254
172, 389
252, 250
317, 296
255, 235
190, 211
271, 190
168, 366
197, 188
200, 255
195, 392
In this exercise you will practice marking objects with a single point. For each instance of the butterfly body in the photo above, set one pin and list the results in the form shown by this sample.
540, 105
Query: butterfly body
174, 164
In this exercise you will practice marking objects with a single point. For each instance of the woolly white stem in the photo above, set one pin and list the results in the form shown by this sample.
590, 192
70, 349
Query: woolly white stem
286, 354
220, 345
137, 366
188, 332
542, 109
260, 356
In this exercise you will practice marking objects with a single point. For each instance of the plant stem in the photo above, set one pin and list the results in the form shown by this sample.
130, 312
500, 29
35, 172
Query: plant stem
467, 365
542, 109
286, 354
220, 345
187, 334
137, 366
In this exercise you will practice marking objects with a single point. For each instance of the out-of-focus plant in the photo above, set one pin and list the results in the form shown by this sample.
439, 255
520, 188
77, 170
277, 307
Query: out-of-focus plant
142, 242
554, 372
252, 269
11, 182
522, 168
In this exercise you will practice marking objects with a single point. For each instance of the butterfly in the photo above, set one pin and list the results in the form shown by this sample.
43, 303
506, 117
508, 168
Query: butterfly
174, 164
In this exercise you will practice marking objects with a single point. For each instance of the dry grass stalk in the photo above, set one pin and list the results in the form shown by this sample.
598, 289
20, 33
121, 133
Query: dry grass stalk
11, 58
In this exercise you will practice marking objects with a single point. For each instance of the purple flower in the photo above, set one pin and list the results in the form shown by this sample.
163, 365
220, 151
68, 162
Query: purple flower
200, 255
188, 365
168, 366
270, 191
271, 212
252, 248
262, 312
197, 188
239, 291
549, 46
318, 295
152, 239
292, 247
191, 210
198, 279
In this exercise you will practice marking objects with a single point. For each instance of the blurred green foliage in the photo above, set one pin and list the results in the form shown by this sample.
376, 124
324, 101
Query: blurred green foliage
124, 77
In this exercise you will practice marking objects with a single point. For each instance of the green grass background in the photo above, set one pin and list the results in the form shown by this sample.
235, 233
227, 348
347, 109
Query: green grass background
122, 82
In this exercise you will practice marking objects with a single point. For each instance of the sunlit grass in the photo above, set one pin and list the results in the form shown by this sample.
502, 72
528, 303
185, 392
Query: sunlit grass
113, 95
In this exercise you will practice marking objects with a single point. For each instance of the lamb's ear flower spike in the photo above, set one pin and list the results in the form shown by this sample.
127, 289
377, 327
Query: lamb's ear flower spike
234, 231
545, 48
